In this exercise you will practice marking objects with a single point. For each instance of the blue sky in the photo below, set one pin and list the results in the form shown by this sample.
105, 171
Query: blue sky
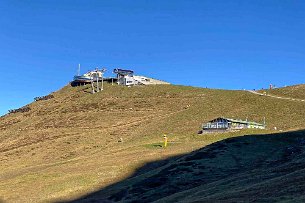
207, 43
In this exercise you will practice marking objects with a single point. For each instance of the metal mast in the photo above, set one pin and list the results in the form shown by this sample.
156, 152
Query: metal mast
97, 78
78, 71
103, 71
92, 85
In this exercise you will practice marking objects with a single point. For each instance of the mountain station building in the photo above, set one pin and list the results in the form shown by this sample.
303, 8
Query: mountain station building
127, 78
222, 124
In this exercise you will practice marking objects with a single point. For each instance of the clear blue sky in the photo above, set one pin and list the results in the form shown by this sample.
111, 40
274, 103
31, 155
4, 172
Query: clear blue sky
232, 44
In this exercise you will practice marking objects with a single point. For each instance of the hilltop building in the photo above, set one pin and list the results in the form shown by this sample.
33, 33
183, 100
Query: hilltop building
127, 78
142, 80
123, 77
223, 124
88, 77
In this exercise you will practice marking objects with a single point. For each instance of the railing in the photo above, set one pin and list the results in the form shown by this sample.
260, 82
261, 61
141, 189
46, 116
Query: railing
215, 126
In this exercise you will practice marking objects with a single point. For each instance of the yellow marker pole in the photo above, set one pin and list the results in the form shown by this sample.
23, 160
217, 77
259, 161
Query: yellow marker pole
165, 141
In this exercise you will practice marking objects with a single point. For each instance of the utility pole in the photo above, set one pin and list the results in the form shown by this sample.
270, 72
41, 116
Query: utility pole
103, 71
97, 77
102, 81
92, 85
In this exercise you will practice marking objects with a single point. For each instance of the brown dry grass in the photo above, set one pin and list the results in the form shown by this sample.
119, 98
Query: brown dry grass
67, 146
254, 168
295, 91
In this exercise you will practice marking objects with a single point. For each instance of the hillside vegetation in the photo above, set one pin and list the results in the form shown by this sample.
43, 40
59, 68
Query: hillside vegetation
271, 169
70, 145
295, 91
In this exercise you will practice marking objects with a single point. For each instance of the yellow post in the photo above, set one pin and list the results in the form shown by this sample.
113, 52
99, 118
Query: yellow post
165, 140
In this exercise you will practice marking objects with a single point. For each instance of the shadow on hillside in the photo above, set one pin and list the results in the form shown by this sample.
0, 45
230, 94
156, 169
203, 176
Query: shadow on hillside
222, 171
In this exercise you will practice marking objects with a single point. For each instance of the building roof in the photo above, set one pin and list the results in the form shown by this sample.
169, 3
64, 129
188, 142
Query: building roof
122, 71
232, 120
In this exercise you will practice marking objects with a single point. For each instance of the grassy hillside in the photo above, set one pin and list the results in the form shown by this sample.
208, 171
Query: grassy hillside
68, 146
296, 91
271, 169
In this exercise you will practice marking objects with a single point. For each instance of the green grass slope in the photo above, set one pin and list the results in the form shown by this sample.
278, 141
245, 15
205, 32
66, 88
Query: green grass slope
68, 146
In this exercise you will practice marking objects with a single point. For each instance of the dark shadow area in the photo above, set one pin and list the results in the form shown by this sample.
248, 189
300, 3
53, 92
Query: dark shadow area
251, 168
87, 90
76, 84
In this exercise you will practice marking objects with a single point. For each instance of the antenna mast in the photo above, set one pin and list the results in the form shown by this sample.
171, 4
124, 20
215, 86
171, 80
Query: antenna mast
78, 71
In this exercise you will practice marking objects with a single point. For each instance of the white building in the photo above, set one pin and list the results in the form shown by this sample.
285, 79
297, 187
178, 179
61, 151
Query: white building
124, 77
142, 80
127, 78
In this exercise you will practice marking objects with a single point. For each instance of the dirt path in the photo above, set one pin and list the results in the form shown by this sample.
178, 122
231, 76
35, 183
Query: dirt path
274, 96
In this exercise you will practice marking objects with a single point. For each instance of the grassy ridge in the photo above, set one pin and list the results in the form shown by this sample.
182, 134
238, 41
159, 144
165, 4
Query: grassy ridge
68, 145
295, 91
